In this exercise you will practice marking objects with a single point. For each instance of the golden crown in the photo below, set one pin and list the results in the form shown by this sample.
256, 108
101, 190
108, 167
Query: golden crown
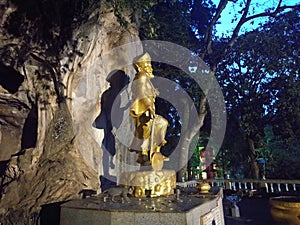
143, 58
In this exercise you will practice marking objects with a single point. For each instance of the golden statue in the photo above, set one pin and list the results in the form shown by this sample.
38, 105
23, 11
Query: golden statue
150, 128
149, 137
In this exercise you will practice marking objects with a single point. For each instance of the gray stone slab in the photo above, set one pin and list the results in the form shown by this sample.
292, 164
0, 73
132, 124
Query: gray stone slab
73, 216
122, 218
188, 210
172, 218
146, 218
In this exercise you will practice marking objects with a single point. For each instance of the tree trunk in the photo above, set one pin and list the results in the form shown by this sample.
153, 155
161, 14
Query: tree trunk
189, 131
185, 138
253, 159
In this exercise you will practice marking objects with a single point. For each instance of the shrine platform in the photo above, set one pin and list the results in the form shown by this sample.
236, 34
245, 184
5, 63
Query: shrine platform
187, 209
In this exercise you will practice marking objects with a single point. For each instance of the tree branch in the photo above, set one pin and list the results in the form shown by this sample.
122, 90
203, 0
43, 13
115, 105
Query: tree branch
238, 27
208, 34
245, 19
279, 9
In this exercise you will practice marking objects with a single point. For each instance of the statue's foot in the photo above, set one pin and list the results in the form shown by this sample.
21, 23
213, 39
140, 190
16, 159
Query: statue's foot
157, 161
145, 152
163, 142
166, 158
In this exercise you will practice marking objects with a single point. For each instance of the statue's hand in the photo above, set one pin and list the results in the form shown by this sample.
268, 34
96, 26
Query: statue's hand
153, 116
150, 113
147, 113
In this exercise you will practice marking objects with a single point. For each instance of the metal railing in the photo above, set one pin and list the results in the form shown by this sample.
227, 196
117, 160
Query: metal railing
270, 185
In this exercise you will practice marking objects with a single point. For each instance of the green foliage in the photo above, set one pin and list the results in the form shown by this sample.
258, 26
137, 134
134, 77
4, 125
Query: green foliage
286, 120
180, 22
245, 84
260, 79
195, 163
201, 14
131, 7
47, 24
168, 21
287, 117
282, 160
232, 157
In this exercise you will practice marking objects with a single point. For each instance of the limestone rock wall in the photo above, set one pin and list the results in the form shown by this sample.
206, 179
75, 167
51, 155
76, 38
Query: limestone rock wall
85, 87
49, 149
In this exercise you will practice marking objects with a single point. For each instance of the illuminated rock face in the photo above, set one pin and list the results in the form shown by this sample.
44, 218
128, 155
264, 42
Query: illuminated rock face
158, 183
49, 150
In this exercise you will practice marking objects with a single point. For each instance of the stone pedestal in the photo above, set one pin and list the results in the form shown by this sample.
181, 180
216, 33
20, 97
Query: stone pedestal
193, 209
152, 183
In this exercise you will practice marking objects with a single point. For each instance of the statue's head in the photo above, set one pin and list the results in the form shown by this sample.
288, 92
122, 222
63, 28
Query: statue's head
142, 63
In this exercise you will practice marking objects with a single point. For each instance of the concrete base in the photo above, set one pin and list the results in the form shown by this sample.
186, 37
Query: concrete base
187, 210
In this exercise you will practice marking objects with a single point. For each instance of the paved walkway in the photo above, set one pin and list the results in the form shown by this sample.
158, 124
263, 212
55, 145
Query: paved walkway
253, 211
